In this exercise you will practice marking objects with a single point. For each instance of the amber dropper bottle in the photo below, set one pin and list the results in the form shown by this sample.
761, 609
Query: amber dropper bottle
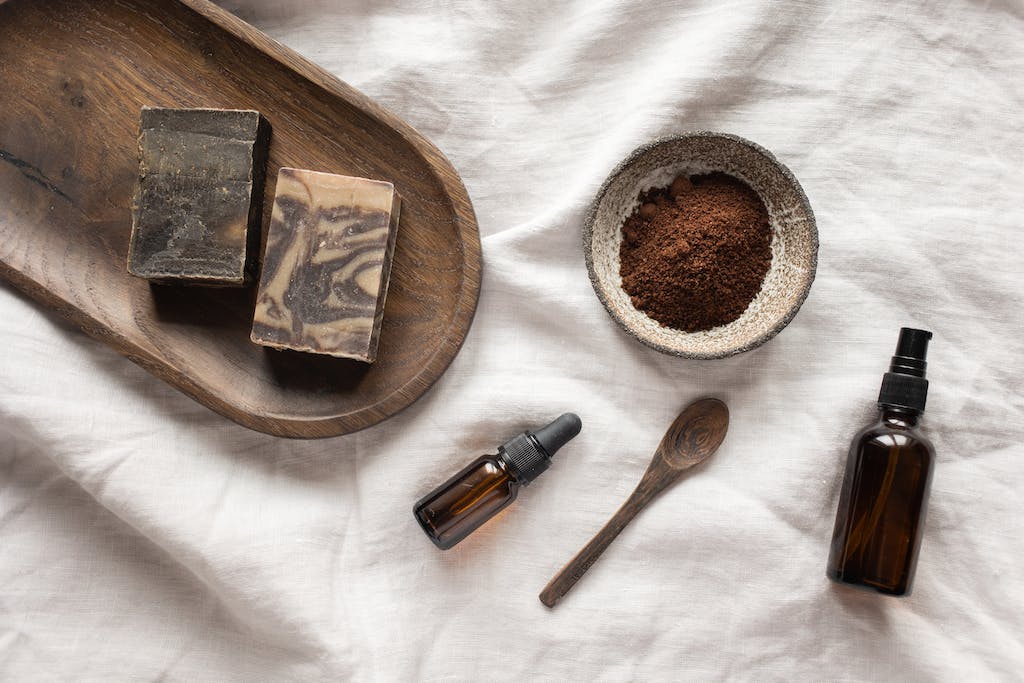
490, 483
888, 475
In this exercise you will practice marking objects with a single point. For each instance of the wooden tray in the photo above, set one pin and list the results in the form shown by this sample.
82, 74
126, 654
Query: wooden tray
74, 75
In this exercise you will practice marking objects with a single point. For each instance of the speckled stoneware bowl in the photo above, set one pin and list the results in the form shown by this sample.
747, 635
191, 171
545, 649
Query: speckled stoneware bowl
794, 239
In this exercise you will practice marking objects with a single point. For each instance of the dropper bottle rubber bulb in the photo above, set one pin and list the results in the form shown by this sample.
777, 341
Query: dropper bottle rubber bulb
489, 484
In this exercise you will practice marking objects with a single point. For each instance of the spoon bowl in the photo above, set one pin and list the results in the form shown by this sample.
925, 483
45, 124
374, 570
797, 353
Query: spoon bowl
695, 434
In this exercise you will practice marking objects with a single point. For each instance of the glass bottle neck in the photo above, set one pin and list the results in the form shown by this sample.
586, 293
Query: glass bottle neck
505, 466
899, 417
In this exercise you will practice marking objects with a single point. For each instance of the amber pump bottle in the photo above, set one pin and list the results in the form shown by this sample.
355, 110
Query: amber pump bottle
490, 483
888, 475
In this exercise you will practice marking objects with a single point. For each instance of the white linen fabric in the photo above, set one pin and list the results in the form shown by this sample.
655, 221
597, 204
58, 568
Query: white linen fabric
144, 537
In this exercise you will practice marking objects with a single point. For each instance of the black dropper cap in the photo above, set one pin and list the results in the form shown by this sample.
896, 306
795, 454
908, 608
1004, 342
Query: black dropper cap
529, 454
904, 386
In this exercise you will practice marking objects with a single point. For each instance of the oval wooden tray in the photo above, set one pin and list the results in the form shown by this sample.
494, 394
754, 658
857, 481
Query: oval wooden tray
74, 75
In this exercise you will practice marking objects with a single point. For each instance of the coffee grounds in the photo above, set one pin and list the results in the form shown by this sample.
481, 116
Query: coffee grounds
694, 254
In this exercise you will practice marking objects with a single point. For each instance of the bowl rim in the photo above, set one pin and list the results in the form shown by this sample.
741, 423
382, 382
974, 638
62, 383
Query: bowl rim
588, 232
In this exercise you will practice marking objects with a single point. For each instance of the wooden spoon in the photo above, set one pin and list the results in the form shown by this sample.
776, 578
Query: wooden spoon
693, 437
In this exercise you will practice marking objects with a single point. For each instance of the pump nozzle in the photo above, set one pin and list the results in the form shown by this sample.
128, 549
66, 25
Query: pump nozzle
904, 386
911, 351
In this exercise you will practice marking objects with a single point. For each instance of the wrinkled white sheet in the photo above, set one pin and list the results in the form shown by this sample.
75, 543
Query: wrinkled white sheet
144, 537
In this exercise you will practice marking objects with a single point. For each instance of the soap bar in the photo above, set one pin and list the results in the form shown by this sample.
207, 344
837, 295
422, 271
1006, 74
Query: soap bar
327, 264
196, 213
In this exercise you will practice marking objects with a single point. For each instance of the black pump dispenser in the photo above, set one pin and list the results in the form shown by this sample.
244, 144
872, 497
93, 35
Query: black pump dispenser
884, 496
904, 386
529, 453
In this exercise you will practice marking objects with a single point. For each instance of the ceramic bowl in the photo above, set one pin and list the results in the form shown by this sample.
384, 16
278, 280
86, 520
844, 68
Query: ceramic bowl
794, 240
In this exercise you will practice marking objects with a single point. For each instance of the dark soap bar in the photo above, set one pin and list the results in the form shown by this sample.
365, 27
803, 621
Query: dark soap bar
196, 213
327, 264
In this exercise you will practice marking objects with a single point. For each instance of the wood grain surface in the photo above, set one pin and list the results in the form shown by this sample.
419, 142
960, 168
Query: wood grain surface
75, 74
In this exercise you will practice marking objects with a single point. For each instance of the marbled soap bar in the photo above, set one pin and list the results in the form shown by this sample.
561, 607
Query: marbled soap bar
327, 264
196, 213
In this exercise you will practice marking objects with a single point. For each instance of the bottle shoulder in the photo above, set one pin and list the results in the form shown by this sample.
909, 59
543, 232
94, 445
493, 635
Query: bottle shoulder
885, 433
488, 464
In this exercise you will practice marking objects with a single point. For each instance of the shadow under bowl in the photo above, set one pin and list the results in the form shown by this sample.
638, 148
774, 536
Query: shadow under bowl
794, 243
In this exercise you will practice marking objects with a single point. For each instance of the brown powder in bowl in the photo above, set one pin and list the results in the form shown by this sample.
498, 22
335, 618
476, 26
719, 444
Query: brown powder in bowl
694, 254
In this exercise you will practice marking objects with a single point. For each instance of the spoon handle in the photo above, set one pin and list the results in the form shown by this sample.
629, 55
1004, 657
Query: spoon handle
565, 579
